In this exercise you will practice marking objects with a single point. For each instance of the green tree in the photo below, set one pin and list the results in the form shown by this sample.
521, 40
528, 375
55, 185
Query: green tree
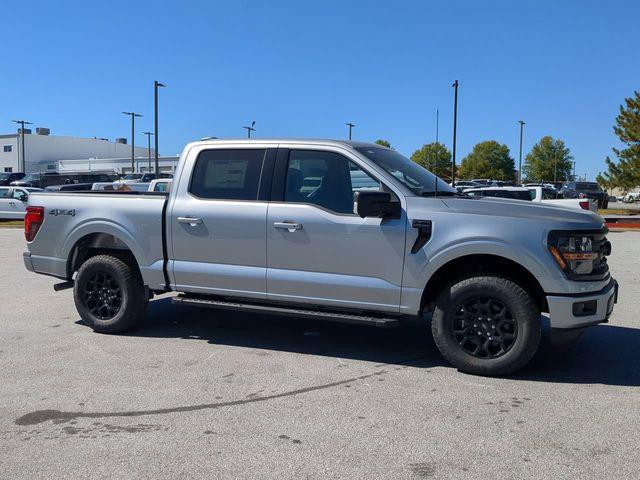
436, 158
549, 159
488, 159
625, 173
384, 143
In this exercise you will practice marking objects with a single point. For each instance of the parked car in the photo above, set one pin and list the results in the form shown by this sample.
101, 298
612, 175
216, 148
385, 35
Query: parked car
589, 190
240, 231
461, 185
13, 201
7, 177
514, 193
632, 197
147, 177
70, 187
130, 178
44, 180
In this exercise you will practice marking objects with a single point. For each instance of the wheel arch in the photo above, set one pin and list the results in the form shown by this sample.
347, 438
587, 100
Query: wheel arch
98, 243
474, 264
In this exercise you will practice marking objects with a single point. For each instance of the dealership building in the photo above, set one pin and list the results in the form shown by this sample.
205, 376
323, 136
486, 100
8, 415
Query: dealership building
49, 153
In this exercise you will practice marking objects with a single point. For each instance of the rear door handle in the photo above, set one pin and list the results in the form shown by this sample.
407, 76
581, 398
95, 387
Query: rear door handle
193, 221
291, 226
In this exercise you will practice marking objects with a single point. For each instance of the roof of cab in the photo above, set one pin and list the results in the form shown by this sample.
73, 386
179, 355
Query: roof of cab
307, 141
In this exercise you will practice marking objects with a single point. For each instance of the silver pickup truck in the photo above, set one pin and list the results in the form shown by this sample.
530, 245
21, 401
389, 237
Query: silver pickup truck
343, 231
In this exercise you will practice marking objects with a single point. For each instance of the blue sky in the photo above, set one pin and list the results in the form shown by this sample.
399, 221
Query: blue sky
303, 69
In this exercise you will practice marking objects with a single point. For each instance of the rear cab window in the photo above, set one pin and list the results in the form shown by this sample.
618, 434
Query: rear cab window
227, 174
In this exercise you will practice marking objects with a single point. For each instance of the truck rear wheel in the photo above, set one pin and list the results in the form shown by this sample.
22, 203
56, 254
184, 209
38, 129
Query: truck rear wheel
486, 325
109, 294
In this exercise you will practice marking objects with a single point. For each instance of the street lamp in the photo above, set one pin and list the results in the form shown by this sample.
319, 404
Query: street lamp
350, 125
455, 130
156, 84
520, 159
22, 123
148, 134
133, 135
250, 129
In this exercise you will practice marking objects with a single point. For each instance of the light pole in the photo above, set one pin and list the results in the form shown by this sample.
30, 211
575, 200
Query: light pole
437, 123
455, 130
350, 125
574, 171
133, 135
148, 134
22, 123
520, 157
156, 84
250, 129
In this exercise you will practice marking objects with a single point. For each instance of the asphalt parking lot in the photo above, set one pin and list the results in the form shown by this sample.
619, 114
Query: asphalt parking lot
214, 394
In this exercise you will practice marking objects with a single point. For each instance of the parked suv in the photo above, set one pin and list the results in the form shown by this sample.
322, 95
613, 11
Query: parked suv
7, 177
332, 230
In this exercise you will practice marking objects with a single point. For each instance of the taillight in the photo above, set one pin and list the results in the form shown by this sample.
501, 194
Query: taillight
32, 221
584, 205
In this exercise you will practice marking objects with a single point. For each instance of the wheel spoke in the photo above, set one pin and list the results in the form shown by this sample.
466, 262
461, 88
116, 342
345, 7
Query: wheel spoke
103, 295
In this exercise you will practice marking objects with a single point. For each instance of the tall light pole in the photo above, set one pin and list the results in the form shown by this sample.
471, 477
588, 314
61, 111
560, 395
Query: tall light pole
437, 123
156, 85
22, 123
455, 130
148, 134
133, 136
574, 171
520, 156
350, 125
250, 129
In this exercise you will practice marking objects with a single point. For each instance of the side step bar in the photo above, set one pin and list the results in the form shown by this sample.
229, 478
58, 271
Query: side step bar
297, 312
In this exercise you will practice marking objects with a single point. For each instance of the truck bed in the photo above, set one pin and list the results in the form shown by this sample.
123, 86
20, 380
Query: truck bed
135, 218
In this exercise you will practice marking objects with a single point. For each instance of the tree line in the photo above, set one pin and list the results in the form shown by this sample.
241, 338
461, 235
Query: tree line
624, 172
549, 159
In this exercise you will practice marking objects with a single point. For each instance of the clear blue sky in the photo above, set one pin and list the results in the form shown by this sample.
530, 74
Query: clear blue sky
303, 69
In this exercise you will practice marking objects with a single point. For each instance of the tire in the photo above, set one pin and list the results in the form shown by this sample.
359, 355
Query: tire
509, 338
109, 294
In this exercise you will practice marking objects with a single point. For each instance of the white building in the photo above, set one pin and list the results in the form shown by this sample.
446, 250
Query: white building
117, 165
43, 150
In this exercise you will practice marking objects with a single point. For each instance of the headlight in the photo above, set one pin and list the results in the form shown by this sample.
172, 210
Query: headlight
582, 255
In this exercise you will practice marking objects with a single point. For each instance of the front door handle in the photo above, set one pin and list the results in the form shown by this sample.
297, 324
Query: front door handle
12, 204
193, 221
291, 226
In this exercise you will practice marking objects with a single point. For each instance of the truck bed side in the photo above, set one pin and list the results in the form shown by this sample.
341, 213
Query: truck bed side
117, 221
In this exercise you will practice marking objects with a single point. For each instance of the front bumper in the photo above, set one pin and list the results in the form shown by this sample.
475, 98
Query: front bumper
561, 311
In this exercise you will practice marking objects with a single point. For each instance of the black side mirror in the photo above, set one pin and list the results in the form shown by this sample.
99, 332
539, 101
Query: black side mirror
23, 197
376, 204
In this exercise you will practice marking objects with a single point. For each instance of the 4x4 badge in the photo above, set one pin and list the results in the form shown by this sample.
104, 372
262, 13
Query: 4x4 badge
63, 211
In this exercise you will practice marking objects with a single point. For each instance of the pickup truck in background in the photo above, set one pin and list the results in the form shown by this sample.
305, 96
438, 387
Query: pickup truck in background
549, 197
590, 190
336, 230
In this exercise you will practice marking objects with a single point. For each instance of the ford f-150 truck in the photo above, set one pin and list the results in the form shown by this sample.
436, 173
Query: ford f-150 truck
337, 230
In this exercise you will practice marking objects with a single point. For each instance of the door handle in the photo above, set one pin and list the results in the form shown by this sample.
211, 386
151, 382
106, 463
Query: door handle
12, 204
193, 221
291, 226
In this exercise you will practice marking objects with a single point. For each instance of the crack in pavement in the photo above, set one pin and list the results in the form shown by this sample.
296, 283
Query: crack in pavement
58, 416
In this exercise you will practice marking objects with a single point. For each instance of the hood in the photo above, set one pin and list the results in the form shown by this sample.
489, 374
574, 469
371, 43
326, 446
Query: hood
502, 207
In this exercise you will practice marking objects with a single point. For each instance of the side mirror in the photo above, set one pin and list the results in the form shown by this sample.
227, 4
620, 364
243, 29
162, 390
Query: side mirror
23, 197
376, 204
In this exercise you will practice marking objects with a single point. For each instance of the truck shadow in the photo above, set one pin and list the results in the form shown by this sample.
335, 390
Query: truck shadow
605, 354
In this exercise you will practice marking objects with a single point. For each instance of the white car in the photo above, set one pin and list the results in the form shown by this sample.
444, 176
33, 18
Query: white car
13, 201
632, 197
549, 196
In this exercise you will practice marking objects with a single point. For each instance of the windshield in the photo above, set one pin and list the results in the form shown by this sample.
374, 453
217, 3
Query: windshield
4, 176
412, 175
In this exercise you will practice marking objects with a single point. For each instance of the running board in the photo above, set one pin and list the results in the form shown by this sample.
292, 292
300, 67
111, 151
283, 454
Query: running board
297, 312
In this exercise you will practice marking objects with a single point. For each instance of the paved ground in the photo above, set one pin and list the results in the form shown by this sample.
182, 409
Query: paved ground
197, 393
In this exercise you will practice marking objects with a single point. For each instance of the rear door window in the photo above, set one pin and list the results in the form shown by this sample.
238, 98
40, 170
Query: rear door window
227, 174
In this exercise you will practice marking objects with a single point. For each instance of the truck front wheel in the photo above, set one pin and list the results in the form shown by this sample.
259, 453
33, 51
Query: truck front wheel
109, 294
486, 325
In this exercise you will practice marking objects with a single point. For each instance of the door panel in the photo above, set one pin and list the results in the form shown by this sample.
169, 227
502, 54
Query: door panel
318, 251
338, 260
219, 244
